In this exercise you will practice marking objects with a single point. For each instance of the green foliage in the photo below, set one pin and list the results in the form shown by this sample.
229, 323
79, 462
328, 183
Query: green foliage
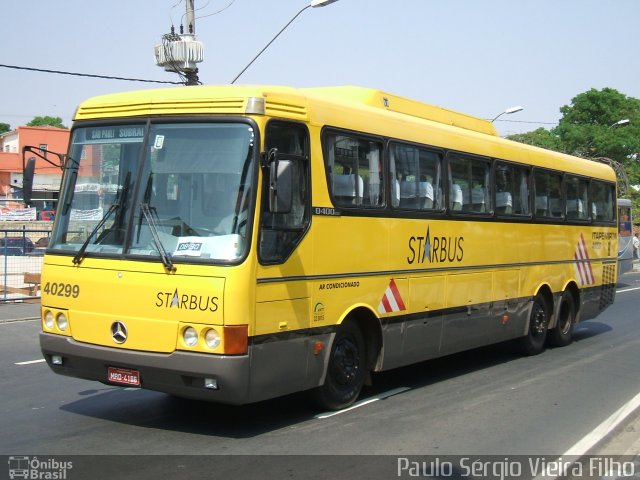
588, 126
540, 138
46, 121
4, 128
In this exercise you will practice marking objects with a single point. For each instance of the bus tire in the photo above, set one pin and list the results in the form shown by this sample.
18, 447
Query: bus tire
533, 342
346, 369
561, 335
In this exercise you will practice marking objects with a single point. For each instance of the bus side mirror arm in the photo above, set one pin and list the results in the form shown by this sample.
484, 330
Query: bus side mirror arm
29, 167
42, 153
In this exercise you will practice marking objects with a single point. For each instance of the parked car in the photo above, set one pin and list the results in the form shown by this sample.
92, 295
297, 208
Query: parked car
15, 246
42, 242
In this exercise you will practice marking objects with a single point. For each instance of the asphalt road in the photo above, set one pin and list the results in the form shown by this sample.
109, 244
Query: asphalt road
489, 401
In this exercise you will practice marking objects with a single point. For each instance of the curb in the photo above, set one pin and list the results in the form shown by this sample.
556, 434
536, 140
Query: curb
19, 312
14, 320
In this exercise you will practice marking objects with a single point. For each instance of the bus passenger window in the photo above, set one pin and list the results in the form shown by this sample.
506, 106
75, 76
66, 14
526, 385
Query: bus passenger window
469, 184
512, 190
577, 199
548, 194
355, 171
603, 205
417, 173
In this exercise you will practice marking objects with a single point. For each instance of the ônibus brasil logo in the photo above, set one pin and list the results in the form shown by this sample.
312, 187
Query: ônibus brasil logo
34, 468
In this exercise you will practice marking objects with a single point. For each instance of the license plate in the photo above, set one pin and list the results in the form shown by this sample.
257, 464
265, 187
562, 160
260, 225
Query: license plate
123, 376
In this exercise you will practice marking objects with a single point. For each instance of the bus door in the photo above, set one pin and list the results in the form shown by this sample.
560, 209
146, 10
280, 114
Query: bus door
282, 294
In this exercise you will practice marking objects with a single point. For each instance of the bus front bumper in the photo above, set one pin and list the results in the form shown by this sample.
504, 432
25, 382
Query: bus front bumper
178, 373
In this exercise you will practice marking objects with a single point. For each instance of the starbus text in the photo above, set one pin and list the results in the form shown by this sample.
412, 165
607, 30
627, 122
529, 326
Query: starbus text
436, 250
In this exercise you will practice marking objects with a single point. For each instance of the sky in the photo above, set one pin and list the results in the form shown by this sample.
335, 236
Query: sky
476, 57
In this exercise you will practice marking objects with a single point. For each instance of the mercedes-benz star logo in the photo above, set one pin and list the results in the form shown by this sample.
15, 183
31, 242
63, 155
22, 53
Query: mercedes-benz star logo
119, 332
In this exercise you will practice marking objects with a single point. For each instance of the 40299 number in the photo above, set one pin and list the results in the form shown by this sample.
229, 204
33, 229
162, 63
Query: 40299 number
60, 289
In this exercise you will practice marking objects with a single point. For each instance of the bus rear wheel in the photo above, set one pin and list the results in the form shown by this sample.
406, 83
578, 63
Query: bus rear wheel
346, 369
561, 335
533, 342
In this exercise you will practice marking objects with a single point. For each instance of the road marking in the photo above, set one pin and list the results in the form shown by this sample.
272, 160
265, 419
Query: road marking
362, 403
30, 362
596, 435
602, 430
627, 290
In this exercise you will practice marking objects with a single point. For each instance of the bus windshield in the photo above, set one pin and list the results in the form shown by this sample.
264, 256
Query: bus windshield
176, 191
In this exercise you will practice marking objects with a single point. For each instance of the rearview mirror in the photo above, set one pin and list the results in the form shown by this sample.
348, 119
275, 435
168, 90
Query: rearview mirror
280, 185
27, 180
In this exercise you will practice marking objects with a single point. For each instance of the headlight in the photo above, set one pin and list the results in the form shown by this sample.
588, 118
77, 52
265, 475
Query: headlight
212, 338
190, 336
62, 321
48, 319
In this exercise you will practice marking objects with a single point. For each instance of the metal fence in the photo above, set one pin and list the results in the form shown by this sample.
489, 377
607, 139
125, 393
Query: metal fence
21, 254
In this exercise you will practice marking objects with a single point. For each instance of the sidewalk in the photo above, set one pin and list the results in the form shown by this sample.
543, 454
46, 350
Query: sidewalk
12, 312
624, 440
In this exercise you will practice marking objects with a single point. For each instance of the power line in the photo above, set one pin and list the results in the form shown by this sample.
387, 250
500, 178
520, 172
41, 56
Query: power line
76, 74
214, 13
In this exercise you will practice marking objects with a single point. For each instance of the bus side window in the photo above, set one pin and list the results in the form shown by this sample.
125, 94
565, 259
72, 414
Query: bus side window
601, 196
418, 179
577, 199
470, 176
512, 189
355, 170
280, 233
548, 194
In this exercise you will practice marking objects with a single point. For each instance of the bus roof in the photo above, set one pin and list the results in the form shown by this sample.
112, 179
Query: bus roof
233, 99
447, 127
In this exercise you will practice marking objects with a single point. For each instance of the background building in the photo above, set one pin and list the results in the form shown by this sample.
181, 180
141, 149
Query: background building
47, 179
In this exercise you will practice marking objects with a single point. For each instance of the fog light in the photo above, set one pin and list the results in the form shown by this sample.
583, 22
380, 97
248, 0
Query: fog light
211, 383
48, 319
56, 359
190, 336
62, 321
212, 338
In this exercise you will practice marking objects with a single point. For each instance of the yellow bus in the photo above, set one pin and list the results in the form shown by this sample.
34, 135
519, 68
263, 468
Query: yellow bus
265, 240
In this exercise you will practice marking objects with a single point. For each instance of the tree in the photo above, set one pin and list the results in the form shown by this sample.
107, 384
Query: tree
46, 120
588, 126
4, 128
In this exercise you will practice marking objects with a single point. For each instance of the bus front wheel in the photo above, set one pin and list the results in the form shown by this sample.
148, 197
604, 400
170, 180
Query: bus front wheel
346, 369
533, 342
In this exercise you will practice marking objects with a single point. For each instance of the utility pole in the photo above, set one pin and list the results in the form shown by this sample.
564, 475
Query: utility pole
179, 53
192, 75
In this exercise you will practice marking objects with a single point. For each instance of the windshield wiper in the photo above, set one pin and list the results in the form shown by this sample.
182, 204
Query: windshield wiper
114, 206
164, 255
80, 255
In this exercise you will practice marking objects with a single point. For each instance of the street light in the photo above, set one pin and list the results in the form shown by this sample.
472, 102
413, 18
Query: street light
620, 123
313, 4
508, 111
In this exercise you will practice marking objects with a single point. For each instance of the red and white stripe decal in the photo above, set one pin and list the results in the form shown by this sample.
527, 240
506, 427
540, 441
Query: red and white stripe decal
582, 263
391, 300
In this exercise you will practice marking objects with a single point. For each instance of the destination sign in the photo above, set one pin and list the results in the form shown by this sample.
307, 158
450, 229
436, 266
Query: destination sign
126, 133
